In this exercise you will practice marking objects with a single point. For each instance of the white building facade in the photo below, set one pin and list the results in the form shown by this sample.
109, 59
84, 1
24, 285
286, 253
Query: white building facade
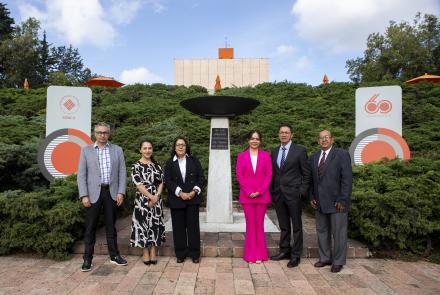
232, 72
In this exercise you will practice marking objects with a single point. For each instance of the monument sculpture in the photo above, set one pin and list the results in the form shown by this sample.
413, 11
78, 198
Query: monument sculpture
219, 109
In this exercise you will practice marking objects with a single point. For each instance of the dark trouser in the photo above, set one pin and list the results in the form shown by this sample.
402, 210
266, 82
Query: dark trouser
327, 225
290, 222
186, 231
92, 216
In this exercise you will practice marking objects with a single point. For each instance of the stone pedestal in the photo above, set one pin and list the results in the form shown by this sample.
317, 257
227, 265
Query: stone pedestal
219, 201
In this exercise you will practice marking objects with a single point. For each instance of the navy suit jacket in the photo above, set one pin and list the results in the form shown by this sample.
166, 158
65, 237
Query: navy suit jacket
293, 179
335, 184
173, 179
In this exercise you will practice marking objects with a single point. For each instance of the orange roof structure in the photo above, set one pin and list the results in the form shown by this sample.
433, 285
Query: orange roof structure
425, 77
104, 81
325, 79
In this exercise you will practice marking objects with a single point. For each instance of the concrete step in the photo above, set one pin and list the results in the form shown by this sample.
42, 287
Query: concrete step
223, 244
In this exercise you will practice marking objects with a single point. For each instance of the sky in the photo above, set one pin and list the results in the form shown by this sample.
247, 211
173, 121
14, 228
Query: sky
136, 41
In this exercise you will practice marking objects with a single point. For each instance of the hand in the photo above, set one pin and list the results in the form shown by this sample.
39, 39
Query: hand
184, 196
86, 202
192, 194
314, 204
152, 201
119, 199
339, 206
254, 195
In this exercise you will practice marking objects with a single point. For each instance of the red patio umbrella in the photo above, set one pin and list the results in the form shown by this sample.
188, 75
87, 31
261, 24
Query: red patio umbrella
425, 77
104, 81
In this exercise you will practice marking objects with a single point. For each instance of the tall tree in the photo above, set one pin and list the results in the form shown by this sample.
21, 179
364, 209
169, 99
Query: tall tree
45, 61
6, 23
69, 61
402, 52
20, 55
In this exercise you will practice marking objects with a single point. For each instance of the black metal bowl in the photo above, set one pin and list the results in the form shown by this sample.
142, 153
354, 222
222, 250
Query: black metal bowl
219, 106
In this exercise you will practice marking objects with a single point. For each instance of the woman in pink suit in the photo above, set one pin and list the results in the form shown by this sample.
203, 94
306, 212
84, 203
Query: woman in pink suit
254, 173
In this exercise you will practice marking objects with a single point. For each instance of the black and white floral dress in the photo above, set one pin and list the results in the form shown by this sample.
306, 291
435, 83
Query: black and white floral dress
147, 223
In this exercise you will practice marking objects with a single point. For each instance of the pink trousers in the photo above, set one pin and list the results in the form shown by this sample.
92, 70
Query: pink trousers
254, 243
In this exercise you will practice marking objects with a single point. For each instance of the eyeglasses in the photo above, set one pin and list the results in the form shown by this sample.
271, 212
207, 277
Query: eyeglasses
325, 137
105, 133
285, 132
181, 145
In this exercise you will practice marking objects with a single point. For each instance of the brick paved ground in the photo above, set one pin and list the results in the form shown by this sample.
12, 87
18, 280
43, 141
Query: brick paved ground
219, 275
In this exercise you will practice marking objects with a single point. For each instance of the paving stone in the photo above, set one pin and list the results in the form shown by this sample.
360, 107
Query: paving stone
150, 278
244, 287
219, 275
242, 274
204, 286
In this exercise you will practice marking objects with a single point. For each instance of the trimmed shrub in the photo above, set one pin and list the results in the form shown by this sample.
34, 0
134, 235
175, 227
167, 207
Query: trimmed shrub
396, 205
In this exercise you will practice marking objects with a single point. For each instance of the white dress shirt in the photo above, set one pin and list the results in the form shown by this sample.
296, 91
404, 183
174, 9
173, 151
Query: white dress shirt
182, 167
326, 155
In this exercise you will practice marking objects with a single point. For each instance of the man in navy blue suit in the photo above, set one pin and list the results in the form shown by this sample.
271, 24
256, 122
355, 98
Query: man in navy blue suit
330, 197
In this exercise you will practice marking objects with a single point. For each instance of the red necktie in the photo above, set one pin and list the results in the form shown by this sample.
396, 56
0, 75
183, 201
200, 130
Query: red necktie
321, 165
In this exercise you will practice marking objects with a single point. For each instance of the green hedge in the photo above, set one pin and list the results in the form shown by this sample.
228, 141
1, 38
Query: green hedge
396, 205
48, 221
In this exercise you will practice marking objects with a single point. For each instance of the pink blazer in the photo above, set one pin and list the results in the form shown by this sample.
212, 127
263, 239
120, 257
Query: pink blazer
251, 182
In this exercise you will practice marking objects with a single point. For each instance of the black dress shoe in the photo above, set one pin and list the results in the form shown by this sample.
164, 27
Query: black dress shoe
87, 265
336, 268
280, 256
180, 260
293, 262
196, 260
322, 264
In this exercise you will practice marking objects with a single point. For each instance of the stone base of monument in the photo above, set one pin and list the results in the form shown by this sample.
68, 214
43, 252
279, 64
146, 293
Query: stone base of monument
238, 225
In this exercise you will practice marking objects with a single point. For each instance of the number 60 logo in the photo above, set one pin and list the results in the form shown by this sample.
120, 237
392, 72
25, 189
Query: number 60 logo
382, 106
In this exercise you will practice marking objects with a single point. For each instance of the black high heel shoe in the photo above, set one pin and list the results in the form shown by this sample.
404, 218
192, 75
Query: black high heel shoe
153, 261
148, 262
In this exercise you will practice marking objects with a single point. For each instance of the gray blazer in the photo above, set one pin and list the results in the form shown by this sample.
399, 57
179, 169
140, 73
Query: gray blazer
89, 175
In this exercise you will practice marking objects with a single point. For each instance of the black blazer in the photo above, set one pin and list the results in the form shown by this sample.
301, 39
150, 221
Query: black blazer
293, 179
335, 184
173, 179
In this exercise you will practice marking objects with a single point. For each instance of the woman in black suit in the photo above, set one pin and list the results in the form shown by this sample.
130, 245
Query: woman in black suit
184, 180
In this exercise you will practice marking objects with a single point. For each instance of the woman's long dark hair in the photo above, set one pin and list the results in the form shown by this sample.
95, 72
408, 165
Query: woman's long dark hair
173, 149
150, 142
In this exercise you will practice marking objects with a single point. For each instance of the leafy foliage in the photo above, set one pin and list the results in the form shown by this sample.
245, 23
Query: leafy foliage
394, 204
24, 56
47, 222
405, 51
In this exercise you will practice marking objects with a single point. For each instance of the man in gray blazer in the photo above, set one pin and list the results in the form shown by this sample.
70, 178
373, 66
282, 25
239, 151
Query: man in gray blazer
330, 197
102, 181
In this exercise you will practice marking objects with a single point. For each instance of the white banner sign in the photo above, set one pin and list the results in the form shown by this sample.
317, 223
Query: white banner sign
378, 125
379, 107
68, 120
68, 107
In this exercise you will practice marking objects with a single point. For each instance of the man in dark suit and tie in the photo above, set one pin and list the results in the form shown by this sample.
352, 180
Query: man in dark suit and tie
330, 197
290, 181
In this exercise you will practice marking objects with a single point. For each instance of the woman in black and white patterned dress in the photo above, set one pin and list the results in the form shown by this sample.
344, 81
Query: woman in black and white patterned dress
148, 229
